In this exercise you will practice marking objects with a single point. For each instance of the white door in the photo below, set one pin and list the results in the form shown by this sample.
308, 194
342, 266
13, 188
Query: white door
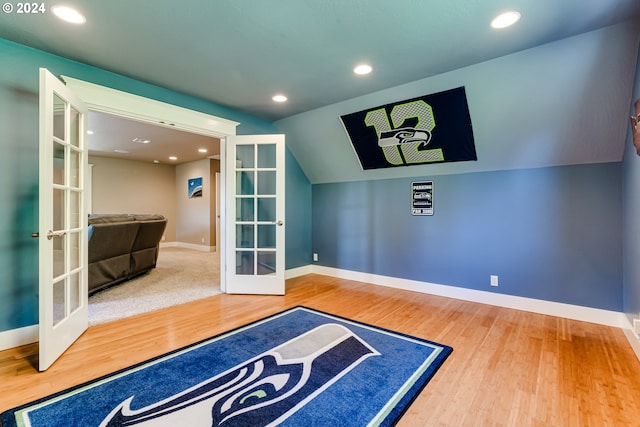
63, 297
254, 238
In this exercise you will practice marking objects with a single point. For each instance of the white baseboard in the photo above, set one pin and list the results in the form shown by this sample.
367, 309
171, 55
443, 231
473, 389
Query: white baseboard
17, 337
632, 337
29, 334
203, 248
298, 271
569, 311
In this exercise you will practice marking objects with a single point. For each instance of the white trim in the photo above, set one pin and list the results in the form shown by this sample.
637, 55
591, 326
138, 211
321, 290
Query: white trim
569, 311
298, 271
29, 334
17, 337
123, 104
632, 337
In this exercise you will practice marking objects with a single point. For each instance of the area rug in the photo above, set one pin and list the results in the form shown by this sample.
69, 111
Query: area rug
300, 367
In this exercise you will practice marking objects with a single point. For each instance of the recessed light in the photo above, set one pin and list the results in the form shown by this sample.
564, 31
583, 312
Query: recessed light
141, 140
68, 14
362, 69
279, 98
505, 19
202, 150
173, 158
156, 161
90, 132
121, 151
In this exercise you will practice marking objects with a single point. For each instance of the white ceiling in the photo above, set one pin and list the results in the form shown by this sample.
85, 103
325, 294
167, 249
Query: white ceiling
240, 53
110, 133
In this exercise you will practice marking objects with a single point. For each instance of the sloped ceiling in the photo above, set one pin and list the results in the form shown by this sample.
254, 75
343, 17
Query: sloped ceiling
563, 103
240, 53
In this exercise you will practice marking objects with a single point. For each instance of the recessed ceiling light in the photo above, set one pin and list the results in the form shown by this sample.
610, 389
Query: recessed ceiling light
505, 19
121, 151
90, 132
156, 161
68, 14
173, 158
362, 69
141, 140
279, 98
202, 150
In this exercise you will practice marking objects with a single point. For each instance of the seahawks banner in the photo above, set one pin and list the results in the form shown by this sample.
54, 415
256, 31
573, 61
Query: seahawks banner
433, 128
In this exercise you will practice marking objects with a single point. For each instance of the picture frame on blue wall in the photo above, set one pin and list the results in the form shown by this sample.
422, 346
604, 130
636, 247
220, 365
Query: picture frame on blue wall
635, 127
422, 198
195, 187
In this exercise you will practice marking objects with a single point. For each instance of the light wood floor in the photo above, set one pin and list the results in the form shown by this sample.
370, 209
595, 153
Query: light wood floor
508, 367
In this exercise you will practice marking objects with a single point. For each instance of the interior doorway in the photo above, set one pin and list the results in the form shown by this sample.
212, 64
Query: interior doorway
139, 168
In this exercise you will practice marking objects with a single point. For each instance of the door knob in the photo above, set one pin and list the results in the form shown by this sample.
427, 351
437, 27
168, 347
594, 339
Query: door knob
52, 234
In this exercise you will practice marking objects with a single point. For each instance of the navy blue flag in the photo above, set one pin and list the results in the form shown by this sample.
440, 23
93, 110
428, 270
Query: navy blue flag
433, 128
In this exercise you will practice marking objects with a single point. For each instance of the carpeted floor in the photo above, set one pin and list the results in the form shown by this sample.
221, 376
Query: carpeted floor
181, 275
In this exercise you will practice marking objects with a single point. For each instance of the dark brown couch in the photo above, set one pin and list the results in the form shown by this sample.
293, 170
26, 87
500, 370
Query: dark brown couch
122, 246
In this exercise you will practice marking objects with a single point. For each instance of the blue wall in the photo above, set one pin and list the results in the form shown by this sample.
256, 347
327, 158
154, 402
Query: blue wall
19, 169
631, 219
541, 207
298, 215
550, 233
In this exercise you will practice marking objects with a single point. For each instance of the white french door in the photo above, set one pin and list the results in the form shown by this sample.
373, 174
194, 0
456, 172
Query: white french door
62, 234
255, 238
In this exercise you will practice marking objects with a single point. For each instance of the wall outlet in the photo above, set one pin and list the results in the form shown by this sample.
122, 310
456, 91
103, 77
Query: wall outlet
315, 257
203, 240
494, 280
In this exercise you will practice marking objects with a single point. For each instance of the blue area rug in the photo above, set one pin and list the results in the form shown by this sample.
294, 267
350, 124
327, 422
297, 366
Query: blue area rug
300, 367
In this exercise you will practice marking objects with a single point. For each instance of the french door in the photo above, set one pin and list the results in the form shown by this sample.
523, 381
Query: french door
255, 235
62, 234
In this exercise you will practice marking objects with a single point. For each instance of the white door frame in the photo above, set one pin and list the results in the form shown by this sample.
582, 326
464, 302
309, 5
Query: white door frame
111, 101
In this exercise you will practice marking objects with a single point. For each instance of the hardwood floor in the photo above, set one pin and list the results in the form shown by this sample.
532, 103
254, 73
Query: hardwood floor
508, 367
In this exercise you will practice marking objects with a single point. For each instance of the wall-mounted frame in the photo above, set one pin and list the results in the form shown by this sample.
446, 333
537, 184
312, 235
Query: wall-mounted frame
635, 126
422, 198
195, 187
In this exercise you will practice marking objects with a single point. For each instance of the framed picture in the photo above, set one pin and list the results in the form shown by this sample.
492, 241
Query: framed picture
422, 198
635, 126
195, 187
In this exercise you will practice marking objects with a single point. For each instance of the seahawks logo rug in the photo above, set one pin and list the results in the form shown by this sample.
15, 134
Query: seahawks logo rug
300, 367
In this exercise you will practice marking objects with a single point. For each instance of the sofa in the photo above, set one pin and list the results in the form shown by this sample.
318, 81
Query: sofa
122, 246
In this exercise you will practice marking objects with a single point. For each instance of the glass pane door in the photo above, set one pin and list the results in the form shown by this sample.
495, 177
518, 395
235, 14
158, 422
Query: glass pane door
256, 164
62, 234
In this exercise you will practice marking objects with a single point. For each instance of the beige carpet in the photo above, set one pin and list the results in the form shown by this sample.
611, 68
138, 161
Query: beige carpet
181, 275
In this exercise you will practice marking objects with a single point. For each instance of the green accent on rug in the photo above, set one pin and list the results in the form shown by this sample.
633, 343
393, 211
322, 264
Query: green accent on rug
298, 367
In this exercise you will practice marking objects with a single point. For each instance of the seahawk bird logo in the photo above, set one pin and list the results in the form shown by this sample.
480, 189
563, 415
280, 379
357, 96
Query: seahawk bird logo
405, 136
263, 391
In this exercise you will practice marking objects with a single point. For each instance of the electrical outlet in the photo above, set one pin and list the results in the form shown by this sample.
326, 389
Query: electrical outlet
315, 257
494, 280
